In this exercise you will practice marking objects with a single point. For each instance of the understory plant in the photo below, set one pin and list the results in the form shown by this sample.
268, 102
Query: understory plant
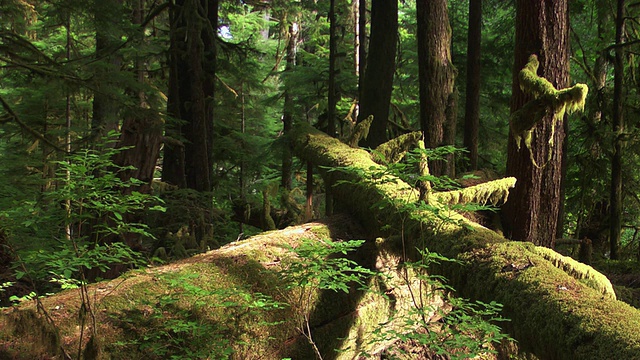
321, 265
84, 218
456, 328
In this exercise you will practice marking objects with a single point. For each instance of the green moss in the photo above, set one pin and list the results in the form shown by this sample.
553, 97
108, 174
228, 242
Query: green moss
553, 315
360, 131
394, 150
579, 271
547, 99
493, 192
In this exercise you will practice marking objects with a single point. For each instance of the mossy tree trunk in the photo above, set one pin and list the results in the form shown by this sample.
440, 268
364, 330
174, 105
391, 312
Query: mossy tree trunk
532, 214
378, 77
559, 309
436, 75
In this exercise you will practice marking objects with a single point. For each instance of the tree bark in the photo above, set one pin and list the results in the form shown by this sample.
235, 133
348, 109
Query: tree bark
141, 130
287, 115
194, 30
548, 306
436, 79
105, 116
472, 105
532, 213
378, 77
362, 45
618, 131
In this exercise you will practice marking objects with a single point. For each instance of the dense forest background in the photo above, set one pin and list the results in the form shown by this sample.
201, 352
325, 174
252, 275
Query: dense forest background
187, 105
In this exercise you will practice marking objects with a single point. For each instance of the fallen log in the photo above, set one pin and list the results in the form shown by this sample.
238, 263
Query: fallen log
559, 309
225, 297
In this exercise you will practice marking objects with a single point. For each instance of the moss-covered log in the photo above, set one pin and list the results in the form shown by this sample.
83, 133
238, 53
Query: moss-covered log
216, 305
554, 314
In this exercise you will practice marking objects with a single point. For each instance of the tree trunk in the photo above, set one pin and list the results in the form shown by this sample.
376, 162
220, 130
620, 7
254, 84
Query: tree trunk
436, 79
194, 27
141, 130
362, 45
532, 213
548, 306
332, 97
472, 105
378, 76
618, 131
287, 116
106, 109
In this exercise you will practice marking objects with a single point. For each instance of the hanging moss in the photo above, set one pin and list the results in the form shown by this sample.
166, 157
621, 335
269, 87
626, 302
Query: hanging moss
547, 100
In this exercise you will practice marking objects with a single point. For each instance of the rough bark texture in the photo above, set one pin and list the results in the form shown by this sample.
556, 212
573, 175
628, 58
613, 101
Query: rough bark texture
380, 67
532, 213
558, 308
472, 105
141, 130
193, 54
436, 75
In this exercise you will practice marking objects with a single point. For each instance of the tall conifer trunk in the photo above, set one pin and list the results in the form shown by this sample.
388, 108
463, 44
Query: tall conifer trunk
472, 105
105, 116
618, 131
531, 214
191, 90
287, 116
436, 79
378, 77
141, 129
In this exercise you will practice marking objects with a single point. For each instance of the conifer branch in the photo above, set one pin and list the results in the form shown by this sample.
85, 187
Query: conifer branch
27, 128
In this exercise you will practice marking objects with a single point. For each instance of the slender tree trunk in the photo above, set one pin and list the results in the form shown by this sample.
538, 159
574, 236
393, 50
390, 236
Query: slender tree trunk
378, 78
106, 109
472, 106
531, 214
332, 96
436, 78
618, 131
287, 117
362, 45
173, 159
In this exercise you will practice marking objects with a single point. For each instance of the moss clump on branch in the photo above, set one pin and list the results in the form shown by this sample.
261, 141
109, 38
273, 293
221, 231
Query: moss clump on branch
394, 150
493, 192
360, 131
579, 271
547, 99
